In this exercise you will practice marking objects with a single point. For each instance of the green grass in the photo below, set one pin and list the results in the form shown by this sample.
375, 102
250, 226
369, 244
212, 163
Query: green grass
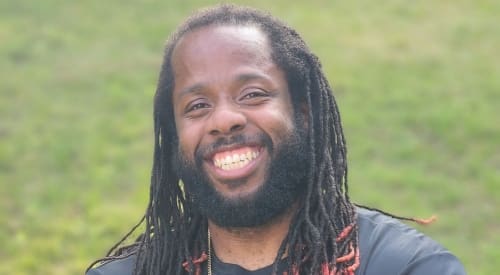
417, 83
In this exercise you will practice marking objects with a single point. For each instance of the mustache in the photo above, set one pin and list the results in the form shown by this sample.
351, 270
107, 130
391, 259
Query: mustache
236, 140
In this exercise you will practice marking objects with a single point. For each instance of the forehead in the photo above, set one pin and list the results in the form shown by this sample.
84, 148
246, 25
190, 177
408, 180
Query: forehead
246, 36
219, 44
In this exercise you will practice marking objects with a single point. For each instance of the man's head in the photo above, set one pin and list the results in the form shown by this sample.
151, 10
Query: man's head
241, 145
244, 115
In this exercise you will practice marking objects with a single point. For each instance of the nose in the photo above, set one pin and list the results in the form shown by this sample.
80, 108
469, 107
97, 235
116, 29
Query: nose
226, 119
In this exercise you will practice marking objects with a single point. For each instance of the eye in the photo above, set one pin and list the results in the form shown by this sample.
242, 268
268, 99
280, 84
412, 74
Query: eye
254, 94
195, 106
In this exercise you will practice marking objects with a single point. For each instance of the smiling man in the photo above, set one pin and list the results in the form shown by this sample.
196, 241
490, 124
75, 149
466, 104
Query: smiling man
250, 171
241, 154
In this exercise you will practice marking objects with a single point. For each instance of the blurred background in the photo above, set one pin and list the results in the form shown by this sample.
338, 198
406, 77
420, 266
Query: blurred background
418, 84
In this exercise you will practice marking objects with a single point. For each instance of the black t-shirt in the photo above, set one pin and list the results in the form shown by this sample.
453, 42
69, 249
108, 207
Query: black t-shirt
386, 245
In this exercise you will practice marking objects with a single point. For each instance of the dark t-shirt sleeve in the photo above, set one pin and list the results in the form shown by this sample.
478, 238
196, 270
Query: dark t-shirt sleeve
442, 263
123, 266
388, 246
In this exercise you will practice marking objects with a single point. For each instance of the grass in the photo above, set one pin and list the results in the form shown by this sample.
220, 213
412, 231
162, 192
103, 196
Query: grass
417, 84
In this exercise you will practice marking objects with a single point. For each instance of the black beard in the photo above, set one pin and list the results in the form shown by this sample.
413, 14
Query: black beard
284, 183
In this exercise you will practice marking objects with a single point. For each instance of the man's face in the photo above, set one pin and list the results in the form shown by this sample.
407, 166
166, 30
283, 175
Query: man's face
239, 146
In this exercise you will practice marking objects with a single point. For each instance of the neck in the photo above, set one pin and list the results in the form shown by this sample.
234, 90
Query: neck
254, 247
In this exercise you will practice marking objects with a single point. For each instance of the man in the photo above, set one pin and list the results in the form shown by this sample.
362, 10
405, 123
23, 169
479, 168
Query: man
250, 172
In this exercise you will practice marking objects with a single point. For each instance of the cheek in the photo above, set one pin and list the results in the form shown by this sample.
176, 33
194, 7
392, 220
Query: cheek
188, 138
280, 124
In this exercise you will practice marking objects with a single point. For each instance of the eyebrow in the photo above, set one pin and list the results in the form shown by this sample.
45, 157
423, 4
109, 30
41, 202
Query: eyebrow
241, 78
191, 89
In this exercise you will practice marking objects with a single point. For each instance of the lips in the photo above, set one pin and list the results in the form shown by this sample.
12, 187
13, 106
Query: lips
235, 159
234, 163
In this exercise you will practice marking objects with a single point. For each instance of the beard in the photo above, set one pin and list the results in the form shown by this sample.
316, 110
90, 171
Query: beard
284, 182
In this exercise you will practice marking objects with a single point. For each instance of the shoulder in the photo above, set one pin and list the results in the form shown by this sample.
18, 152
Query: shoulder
121, 266
388, 246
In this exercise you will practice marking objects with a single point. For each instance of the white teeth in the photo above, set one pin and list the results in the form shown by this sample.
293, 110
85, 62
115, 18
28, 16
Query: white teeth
235, 161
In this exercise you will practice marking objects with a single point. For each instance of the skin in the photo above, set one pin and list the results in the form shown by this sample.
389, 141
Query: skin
226, 84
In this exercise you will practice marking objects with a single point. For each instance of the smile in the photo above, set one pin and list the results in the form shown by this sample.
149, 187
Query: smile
235, 159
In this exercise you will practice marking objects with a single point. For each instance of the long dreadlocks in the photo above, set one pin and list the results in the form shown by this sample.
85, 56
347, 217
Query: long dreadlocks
322, 237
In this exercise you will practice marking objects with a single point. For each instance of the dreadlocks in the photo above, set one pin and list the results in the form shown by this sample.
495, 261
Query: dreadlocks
322, 237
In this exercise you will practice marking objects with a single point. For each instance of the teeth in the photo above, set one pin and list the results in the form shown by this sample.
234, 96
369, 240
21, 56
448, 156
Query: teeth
235, 161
